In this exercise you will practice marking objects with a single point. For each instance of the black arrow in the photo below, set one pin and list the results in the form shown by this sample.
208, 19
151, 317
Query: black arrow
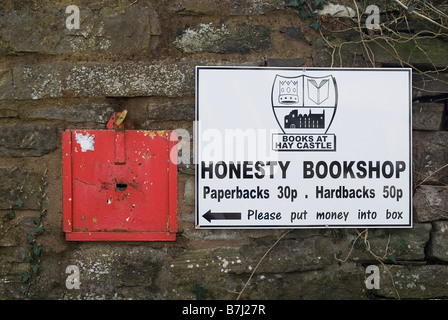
209, 215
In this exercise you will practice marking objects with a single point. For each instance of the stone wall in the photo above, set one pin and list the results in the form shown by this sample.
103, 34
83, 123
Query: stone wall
140, 56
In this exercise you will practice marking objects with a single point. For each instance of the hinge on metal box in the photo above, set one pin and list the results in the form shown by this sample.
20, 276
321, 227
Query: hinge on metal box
116, 122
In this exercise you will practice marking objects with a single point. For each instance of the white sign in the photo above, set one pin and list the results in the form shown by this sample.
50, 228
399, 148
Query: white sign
303, 148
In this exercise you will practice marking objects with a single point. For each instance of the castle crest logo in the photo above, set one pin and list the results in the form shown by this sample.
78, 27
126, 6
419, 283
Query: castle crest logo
305, 108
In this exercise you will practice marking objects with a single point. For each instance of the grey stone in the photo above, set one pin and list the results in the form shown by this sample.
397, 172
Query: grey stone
97, 80
401, 244
98, 113
430, 203
413, 282
225, 38
280, 62
291, 255
8, 111
336, 282
110, 29
294, 33
189, 192
428, 116
429, 84
422, 53
196, 7
27, 140
430, 157
255, 7
233, 7
176, 110
438, 246
349, 55
13, 234
16, 185
223, 271
109, 272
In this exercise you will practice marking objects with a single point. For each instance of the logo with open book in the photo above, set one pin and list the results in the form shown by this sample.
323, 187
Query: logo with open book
304, 107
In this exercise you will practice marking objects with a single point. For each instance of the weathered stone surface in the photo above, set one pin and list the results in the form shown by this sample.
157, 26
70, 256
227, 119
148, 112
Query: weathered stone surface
343, 282
110, 272
224, 38
401, 244
98, 113
255, 7
294, 33
429, 84
18, 185
428, 116
8, 111
323, 56
97, 80
176, 110
223, 271
107, 29
423, 53
189, 192
27, 140
290, 255
279, 62
210, 7
431, 203
430, 157
413, 282
13, 234
438, 246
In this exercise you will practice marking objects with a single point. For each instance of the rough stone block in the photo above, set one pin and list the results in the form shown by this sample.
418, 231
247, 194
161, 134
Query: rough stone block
16, 184
429, 84
13, 234
428, 116
423, 53
413, 282
225, 38
430, 203
280, 62
401, 244
430, 157
107, 29
98, 113
189, 192
438, 246
176, 110
66, 79
27, 140
8, 111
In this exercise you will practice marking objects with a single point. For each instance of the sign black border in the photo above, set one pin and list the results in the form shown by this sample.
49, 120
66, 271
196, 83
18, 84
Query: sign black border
196, 157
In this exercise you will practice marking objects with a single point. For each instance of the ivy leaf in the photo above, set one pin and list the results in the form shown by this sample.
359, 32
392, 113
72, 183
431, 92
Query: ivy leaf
315, 25
393, 258
27, 258
292, 3
30, 239
10, 214
358, 243
25, 277
402, 245
39, 230
35, 268
37, 249
319, 4
19, 204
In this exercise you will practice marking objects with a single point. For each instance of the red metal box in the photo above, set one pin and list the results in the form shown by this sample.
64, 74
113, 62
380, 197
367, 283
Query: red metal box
119, 185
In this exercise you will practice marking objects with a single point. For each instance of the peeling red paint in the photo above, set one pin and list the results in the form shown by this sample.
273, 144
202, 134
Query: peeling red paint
123, 190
